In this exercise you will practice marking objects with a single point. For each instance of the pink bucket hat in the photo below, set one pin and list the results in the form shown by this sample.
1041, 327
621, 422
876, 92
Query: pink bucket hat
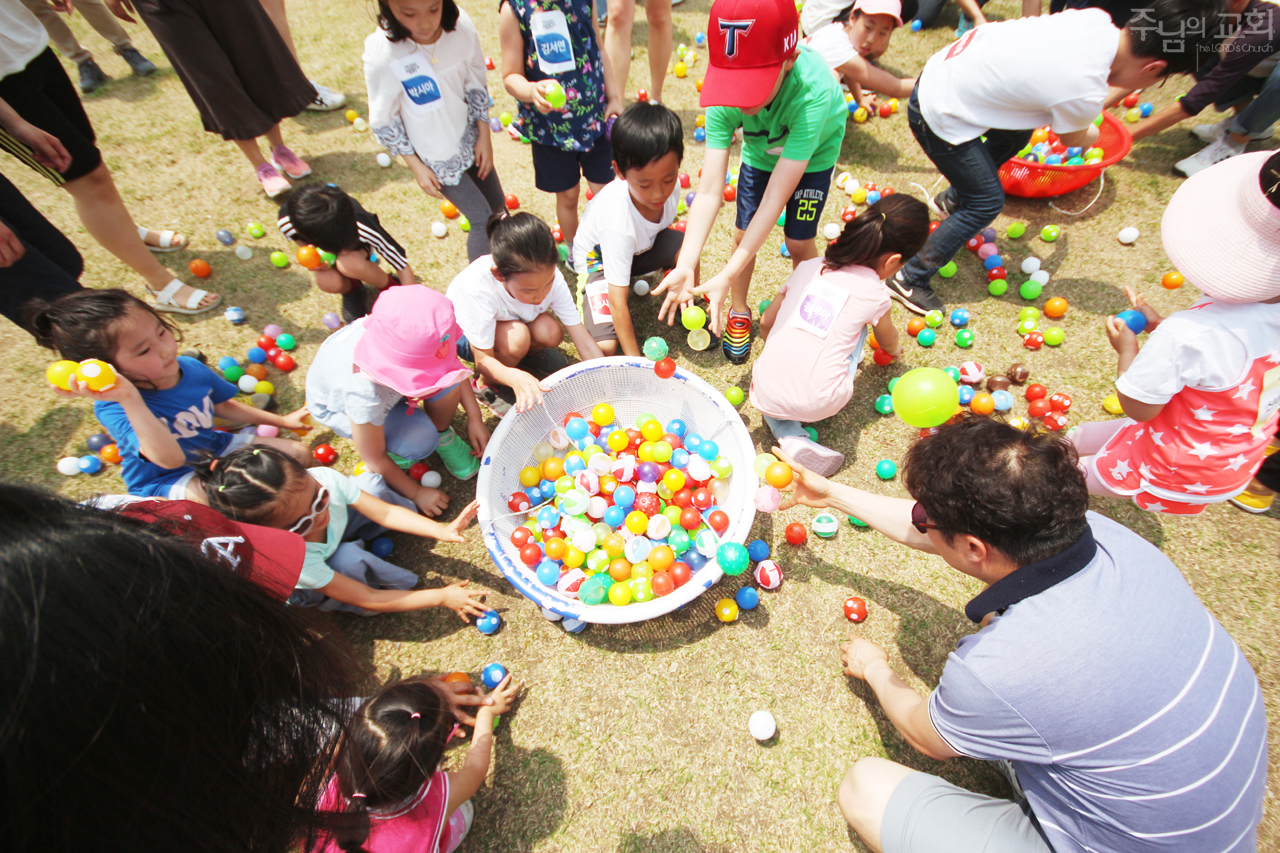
892, 8
410, 342
1222, 231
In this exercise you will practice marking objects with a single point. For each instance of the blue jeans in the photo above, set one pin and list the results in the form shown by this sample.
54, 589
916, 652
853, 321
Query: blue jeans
975, 196
1259, 113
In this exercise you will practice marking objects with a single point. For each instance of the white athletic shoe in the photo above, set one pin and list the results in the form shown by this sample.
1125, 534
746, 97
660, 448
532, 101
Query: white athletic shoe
1214, 132
1223, 149
326, 98
817, 458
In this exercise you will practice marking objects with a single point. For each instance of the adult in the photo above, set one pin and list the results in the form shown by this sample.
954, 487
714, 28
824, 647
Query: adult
326, 99
1246, 80
44, 125
617, 41
92, 77
37, 261
1128, 716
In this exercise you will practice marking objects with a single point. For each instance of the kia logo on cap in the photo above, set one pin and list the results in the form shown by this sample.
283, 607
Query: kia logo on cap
731, 30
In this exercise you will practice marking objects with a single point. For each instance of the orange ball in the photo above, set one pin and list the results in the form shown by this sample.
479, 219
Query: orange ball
1039, 135
200, 268
449, 210
871, 340
553, 468
620, 569
661, 558
915, 326
982, 404
309, 258
778, 475
460, 677
1055, 307
556, 548
110, 453
1172, 280
257, 371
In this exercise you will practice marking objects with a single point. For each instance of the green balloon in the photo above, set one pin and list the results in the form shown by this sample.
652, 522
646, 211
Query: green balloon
555, 95
998, 287
1016, 230
1053, 336
286, 342
925, 397
1031, 289
233, 374
948, 269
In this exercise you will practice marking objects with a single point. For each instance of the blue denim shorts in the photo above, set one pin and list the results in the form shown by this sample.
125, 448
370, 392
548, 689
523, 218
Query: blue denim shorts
804, 208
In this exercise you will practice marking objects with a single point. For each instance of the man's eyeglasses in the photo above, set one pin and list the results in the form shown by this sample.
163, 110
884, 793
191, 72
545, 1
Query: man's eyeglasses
303, 525
919, 520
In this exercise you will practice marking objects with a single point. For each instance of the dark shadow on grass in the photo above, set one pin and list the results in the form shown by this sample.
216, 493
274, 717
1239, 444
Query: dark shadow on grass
43, 441
525, 803
130, 88
680, 839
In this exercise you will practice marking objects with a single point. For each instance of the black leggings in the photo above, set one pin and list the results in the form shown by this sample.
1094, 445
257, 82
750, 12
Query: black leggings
49, 268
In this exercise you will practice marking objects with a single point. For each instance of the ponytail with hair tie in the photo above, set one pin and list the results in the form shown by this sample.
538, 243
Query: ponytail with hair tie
896, 225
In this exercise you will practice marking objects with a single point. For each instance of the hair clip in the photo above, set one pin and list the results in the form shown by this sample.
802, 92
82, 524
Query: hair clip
255, 451
222, 488
445, 337
357, 796
213, 463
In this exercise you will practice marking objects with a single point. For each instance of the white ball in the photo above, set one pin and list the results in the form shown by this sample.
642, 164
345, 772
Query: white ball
384, 160
843, 179
762, 725
768, 574
247, 383
1128, 235
431, 479
359, 125
69, 466
851, 185
439, 229
551, 615
1041, 276
641, 288
1030, 265
244, 253
574, 626
831, 231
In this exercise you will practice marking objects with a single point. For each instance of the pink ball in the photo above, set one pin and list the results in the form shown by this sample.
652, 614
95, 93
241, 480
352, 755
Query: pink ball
332, 321
986, 250
768, 499
273, 331
768, 574
268, 431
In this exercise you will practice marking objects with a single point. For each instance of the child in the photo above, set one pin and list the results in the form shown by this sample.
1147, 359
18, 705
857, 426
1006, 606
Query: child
978, 100
367, 380
815, 327
429, 103
792, 114
503, 302
1202, 395
548, 45
160, 411
324, 216
388, 783
331, 512
626, 230
854, 40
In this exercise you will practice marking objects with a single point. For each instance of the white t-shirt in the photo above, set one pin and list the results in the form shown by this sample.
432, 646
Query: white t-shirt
832, 42
480, 302
1210, 346
338, 394
1020, 75
614, 225
815, 14
22, 37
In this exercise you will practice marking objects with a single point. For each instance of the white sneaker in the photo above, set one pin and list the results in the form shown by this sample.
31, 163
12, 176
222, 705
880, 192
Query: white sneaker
326, 98
1213, 153
1214, 132
817, 458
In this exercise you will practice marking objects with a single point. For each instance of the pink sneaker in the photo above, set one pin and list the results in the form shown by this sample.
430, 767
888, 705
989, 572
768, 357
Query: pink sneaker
289, 163
273, 183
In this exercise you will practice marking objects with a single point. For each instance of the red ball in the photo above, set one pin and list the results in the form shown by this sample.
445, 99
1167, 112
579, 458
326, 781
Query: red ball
996, 273
680, 573
1055, 421
719, 521
417, 469
885, 110
849, 214
870, 186
521, 536
933, 226
730, 193
571, 416
1036, 392
882, 357
702, 498
665, 368
642, 95
273, 353
648, 503
325, 454
1039, 408
887, 191
975, 243
673, 440
519, 502
1060, 402
690, 518
284, 362
513, 203
266, 342
678, 226
662, 583
1130, 100
682, 498
531, 554
1033, 340
797, 533
855, 609
488, 63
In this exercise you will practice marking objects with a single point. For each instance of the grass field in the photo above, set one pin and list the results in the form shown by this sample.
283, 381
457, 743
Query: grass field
634, 738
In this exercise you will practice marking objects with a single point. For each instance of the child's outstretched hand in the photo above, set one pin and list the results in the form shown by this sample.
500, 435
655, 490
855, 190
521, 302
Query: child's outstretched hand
477, 436
1122, 338
120, 392
678, 286
465, 602
528, 390
807, 488
453, 533
1139, 303
297, 420
503, 696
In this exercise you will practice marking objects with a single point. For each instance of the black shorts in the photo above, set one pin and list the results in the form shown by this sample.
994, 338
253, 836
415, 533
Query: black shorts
804, 208
44, 96
661, 256
556, 170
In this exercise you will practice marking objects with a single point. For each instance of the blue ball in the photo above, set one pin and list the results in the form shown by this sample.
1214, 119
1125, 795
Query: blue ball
694, 559
573, 626
1003, 400
99, 441
548, 573
873, 197
382, 547
493, 674
917, 25
226, 362
1053, 160
624, 496
679, 458
614, 516
966, 394
225, 237
748, 598
234, 315
960, 317
677, 427
90, 464
708, 450
547, 490
257, 355
489, 622
699, 39
1134, 320
574, 464
692, 442
992, 261
784, 251
1075, 151
700, 135
548, 517
757, 550
1145, 110
577, 429
373, 256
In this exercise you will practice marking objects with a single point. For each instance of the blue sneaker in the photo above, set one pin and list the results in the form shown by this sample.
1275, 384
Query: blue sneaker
966, 24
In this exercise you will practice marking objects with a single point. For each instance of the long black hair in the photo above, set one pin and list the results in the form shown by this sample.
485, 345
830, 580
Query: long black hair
83, 324
894, 225
246, 484
396, 31
151, 699
520, 242
393, 745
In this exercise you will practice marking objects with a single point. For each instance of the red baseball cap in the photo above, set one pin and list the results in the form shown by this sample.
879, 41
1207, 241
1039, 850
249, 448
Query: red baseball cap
750, 41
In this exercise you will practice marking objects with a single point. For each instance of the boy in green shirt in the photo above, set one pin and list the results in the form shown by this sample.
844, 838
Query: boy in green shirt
792, 113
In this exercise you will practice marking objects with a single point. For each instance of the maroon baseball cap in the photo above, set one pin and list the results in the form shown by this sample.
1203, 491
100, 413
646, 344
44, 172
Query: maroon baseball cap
270, 558
749, 41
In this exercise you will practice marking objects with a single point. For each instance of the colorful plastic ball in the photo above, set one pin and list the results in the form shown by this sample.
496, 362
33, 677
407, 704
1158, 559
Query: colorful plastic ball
825, 525
982, 403
233, 373
331, 321
1033, 340
1002, 400
855, 609
1112, 405
993, 261
998, 287
960, 317
89, 464
1039, 408
927, 338
492, 674
602, 414
68, 466
727, 610
734, 395
655, 349
286, 342
966, 394
964, 338
732, 558
779, 475
884, 404
719, 521
1036, 392
257, 371
1134, 320
512, 202
1172, 280
267, 430
257, 355
997, 274
699, 135
110, 453
882, 357
1054, 336
264, 387
1060, 402
96, 374
1016, 230
886, 469
1050, 233
279, 259
1030, 289
1055, 307
382, 547
925, 397
284, 362
200, 268
797, 533
325, 454
98, 441
1027, 326
225, 237
767, 499
693, 317
934, 319
948, 269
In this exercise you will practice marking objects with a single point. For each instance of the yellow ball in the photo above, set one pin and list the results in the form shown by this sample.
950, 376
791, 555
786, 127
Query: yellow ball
530, 476
96, 374
619, 594
573, 558
860, 115
681, 69
1112, 405
264, 387
1133, 116
352, 115
602, 414
700, 121
60, 374
727, 610
651, 430
645, 451
614, 545
637, 522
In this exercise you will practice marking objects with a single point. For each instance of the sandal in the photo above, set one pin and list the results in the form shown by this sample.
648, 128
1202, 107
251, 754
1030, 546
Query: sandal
166, 241
164, 299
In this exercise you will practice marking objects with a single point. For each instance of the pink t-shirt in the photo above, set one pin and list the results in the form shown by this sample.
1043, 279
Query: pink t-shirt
803, 372
418, 826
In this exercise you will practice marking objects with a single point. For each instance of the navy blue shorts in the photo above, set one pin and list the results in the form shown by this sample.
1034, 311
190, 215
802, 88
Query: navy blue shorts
556, 170
804, 208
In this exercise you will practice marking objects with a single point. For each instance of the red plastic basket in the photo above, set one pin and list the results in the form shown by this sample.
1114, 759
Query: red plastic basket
1025, 179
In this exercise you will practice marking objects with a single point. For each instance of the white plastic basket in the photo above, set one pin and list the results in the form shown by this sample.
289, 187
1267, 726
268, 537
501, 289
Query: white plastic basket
631, 387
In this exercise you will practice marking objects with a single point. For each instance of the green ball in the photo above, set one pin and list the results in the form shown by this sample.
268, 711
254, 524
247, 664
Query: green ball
329, 258
811, 432
886, 469
953, 372
964, 338
948, 269
825, 525
734, 395
1030, 289
693, 317
732, 558
764, 305
256, 230
1097, 122
998, 287
1029, 313
857, 522
286, 341
678, 539
893, 383
1027, 326
280, 259
1016, 230
233, 374
643, 418
925, 397
555, 95
1049, 233
782, 218
1053, 336
884, 404
563, 251
933, 319
464, 224
655, 349
927, 337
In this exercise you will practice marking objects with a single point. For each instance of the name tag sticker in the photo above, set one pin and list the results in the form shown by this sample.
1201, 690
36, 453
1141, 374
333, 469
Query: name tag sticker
551, 40
422, 90
819, 308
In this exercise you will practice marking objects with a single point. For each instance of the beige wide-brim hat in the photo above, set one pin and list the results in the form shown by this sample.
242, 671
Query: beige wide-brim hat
1222, 232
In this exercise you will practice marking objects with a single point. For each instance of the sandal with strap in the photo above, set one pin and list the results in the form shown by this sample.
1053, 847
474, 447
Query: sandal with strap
167, 242
164, 300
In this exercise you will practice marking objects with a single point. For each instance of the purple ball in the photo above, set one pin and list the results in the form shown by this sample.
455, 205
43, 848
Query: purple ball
608, 127
988, 234
495, 124
648, 472
688, 198
332, 321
